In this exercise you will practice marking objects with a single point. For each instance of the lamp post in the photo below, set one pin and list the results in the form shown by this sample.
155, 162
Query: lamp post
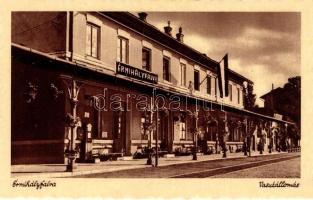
216, 138
149, 160
224, 134
156, 139
287, 138
194, 154
73, 90
245, 146
150, 128
246, 137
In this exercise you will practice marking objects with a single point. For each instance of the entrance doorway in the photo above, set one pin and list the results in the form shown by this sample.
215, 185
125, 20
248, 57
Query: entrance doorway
119, 131
253, 143
164, 130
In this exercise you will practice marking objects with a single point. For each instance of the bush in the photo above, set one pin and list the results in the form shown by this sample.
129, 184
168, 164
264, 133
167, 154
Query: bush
238, 150
210, 151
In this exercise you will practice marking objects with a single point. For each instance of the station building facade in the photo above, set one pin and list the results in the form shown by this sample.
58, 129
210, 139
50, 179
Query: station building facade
120, 67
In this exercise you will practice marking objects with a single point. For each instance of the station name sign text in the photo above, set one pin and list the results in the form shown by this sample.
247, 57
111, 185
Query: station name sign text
127, 70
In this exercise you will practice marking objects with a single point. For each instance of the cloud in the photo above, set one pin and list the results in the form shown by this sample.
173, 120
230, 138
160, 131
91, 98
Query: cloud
264, 47
200, 43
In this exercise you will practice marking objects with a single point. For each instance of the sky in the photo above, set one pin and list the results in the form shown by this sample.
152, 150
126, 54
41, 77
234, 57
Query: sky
262, 46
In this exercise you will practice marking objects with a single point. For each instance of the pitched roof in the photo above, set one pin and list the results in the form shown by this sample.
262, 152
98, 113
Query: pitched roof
272, 92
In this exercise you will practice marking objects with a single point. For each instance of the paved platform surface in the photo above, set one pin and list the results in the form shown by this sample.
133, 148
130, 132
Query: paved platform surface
285, 169
58, 170
202, 169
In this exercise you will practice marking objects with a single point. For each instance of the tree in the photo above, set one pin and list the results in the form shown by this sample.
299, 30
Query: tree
249, 97
290, 100
287, 101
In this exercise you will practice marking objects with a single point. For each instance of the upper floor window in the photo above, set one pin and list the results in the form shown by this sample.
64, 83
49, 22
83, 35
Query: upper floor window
146, 59
208, 85
92, 40
215, 86
122, 50
238, 95
197, 80
183, 74
166, 69
230, 92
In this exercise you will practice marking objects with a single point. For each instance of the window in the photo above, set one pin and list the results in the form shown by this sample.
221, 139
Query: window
118, 126
97, 127
238, 95
215, 86
208, 84
122, 50
92, 40
166, 68
142, 121
182, 131
144, 135
230, 92
211, 132
146, 59
236, 135
196, 80
183, 74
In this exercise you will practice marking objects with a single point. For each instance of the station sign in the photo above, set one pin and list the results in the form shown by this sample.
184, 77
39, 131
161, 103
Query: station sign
130, 71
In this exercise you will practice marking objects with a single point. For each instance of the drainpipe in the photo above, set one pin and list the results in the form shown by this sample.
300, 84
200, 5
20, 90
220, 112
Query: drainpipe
224, 140
157, 138
194, 155
249, 137
69, 35
216, 138
149, 160
246, 137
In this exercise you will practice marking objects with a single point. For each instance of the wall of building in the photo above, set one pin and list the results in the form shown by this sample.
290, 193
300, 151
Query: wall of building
39, 131
105, 140
37, 125
43, 31
51, 28
108, 45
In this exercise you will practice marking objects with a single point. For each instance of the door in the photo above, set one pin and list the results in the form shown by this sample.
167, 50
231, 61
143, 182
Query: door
119, 132
164, 131
253, 143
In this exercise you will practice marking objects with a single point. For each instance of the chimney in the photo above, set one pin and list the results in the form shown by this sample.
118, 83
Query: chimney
180, 35
143, 16
168, 29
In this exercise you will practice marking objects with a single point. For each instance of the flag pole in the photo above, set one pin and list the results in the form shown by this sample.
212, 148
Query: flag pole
222, 58
218, 63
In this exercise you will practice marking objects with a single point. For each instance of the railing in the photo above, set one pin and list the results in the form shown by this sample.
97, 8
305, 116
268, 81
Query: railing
295, 149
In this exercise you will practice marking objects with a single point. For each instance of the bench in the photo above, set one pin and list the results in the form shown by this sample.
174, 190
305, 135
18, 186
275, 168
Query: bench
110, 156
183, 151
161, 153
144, 154
295, 149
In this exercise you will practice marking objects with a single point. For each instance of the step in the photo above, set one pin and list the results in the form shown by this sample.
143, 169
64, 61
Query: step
169, 155
125, 158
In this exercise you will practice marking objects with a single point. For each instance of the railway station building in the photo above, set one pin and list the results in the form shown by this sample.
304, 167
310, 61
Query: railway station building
121, 83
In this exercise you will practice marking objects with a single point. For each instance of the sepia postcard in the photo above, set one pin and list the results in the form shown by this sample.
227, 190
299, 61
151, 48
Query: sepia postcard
192, 99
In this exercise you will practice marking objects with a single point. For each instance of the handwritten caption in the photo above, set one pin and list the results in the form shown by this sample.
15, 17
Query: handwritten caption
278, 184
33, 184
